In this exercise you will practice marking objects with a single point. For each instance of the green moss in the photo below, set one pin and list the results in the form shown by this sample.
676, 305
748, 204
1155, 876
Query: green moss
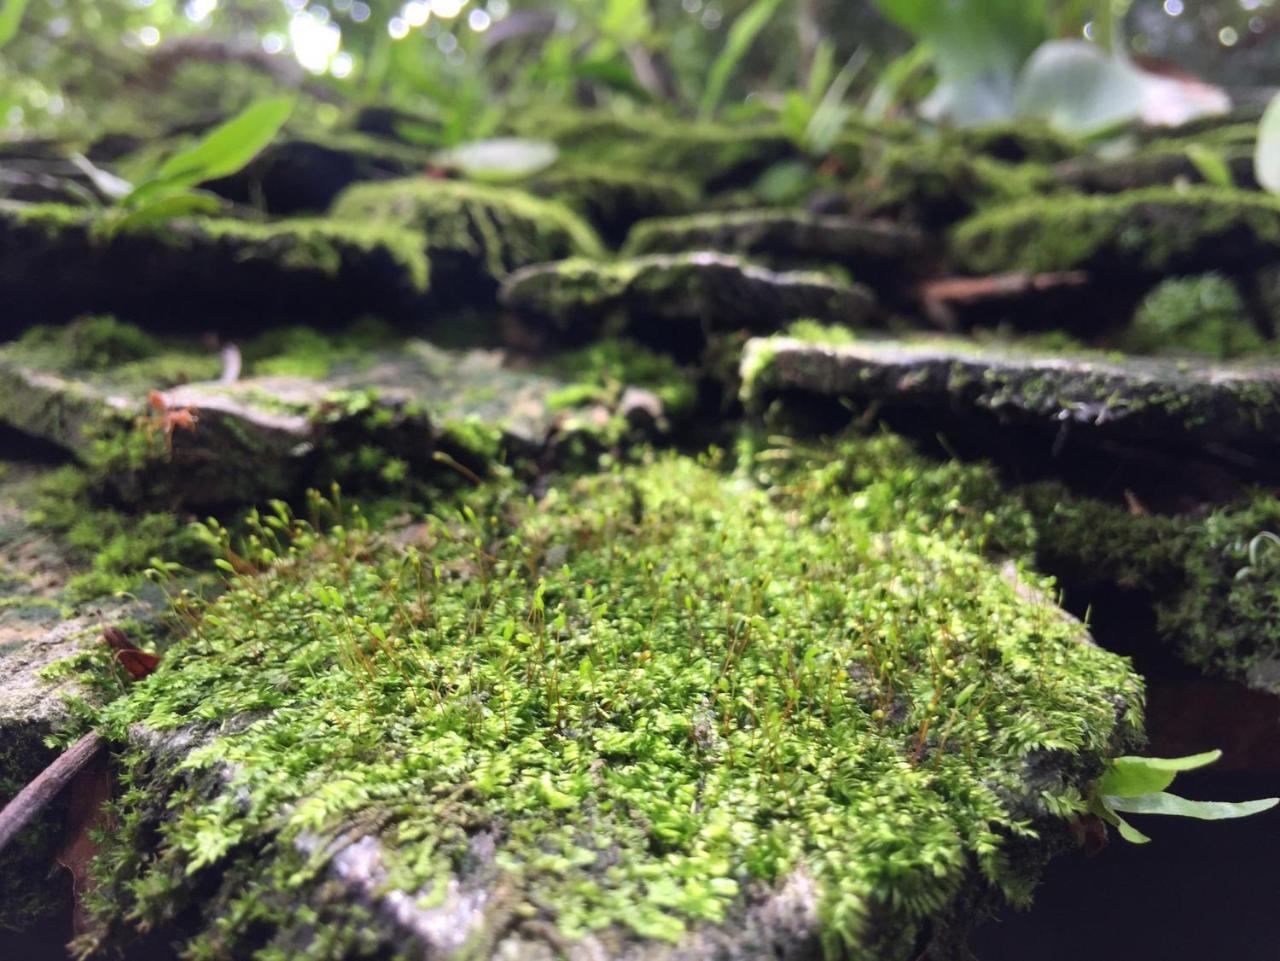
939, 181
307, 352
103, 349
498, 228
602, 370
1215, 605
850, 689
1197, 315
1157, 230
613, 199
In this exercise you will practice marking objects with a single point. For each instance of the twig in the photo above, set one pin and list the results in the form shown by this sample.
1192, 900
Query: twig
36, 796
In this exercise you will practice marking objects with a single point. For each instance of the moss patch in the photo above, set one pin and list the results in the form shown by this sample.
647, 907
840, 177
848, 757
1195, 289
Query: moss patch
1194, 315
1156, 231
851, 691
494, 229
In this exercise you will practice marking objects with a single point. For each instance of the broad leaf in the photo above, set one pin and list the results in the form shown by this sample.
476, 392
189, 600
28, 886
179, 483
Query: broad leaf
10, 19
742, 35
1078, 89
1266, 159
1164, 803
1127, 777
229, 146
504, 158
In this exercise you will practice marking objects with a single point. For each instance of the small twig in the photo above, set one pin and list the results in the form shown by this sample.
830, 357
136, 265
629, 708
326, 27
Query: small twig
36, 796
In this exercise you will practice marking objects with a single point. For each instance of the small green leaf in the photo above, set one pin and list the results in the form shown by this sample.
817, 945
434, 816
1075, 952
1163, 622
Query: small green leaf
1130, 833
1266, 159
229, 146
1171, 804
1210, 164
742, 35
11, 19
1127, 777
162, 209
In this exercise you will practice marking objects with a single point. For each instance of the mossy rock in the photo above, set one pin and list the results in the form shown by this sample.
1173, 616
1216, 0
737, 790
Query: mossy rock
612, 201
396, 410
1128, 236
57, 262
714, 157
1016, 142
675, 301
1212, 581
303, 174
1142, 403
532, 729
475, 234
873, 251
1152, 167
939, 181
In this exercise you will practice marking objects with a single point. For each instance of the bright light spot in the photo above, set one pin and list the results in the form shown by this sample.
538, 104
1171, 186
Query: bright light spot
499, 9
711, 17
1250, 4
691, 6
479, 21
14, 116
360, 12
342, 65
1088, 30
416, 12
148, 36
447, 43
57, 104
198, 10
448, 9
295, 5
1257, 25
456, 57
321, 14
342, 6
1173, 8
273, 43
314, 41
59, 27
398, 27
1228, 37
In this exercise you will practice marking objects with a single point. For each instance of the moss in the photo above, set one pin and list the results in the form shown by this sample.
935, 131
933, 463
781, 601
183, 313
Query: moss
851, 690
1155, 231
602, 370
1020, 141
1197, 315
497, 229
939, 181
1216, 601
307, 352
614, 199
712, 156
102, 349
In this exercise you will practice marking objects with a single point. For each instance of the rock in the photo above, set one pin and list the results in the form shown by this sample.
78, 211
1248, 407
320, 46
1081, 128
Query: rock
475, 234
56, 262
1226, 414
299, 174
39, 627
208, 444
472, 787
876, 252
677, 300
1128, 238
613, 200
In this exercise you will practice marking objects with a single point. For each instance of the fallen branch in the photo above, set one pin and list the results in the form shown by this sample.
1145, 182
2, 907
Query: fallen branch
36, 796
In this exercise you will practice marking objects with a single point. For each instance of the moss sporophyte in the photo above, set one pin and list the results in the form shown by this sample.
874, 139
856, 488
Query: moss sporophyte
660, 691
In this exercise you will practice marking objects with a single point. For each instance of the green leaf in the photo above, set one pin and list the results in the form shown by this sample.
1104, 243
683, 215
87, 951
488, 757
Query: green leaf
1210, 164
229, 146
503, 158
161, 210
1134, 776
1130, 833
1170, 804
1077, 88
1266, 158
11, 19
742, 35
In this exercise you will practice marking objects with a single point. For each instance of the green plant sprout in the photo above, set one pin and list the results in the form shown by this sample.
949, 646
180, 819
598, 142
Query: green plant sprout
1136, 785
170, 191
1255, 553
